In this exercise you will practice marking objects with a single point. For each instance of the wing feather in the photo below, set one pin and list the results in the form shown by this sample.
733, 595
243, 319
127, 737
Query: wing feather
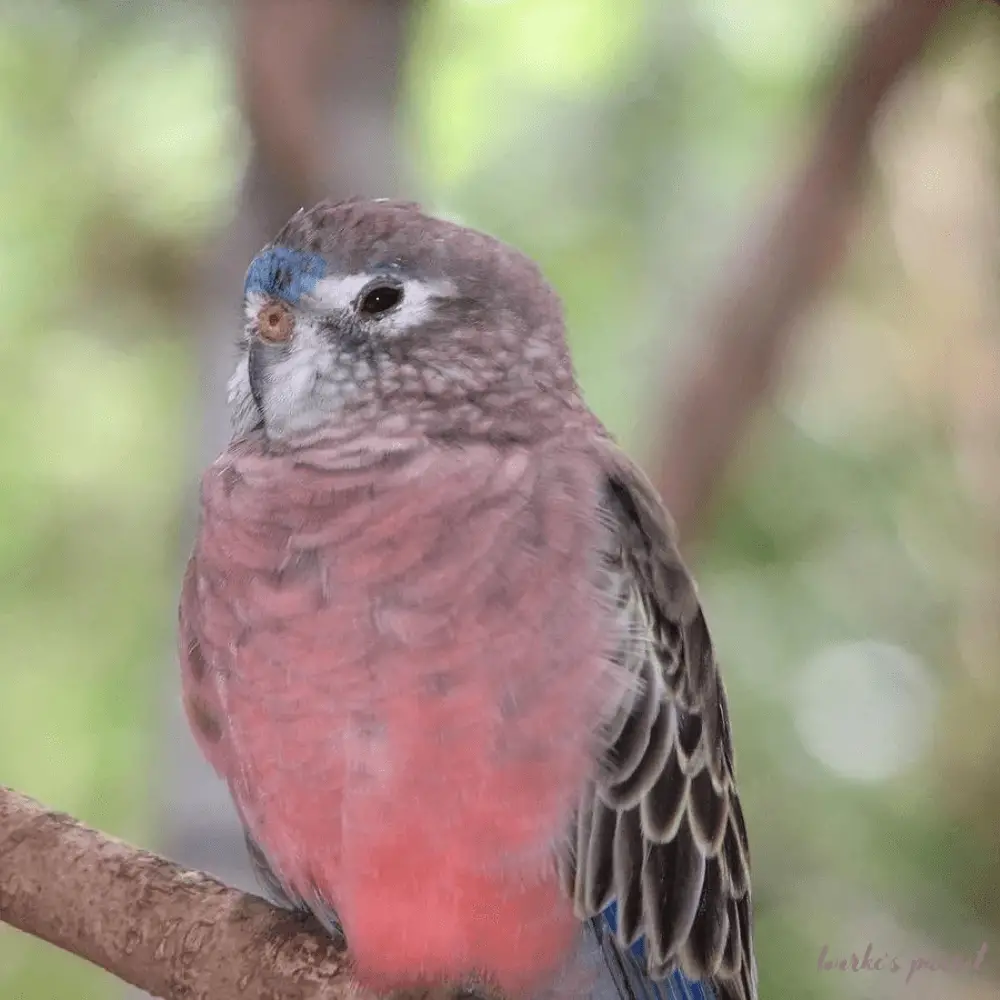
660, 836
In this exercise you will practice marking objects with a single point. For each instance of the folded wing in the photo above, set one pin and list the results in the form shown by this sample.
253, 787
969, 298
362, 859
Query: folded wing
660, 859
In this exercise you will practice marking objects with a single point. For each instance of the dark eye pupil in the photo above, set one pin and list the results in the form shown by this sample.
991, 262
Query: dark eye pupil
378, 300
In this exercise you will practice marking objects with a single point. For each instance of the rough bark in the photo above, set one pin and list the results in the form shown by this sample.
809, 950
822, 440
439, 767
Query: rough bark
173, 932
751, 318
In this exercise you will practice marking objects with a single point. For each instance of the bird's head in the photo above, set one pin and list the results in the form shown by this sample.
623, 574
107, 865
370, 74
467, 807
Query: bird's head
371, 312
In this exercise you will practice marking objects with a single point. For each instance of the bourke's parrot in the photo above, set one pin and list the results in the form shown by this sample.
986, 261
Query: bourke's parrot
437, 638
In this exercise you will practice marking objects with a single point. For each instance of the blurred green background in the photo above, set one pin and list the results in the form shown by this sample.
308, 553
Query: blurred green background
850, 565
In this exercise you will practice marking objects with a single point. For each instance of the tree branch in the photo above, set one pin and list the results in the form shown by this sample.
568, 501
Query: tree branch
174, 933
751, 318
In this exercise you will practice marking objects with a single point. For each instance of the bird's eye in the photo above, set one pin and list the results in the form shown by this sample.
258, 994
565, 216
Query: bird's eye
380, 299
275, 323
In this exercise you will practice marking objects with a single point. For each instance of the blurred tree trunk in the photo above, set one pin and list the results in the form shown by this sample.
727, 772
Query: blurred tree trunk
751, 318
319, 80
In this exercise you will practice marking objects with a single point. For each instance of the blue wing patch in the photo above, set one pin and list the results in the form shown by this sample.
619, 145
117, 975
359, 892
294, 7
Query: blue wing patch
284, 273
628, 968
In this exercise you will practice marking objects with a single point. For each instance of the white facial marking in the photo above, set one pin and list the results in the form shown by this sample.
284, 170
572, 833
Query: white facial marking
298, 395
252, 305
243, 410
335, 293
311, 379
301, 387
341, 292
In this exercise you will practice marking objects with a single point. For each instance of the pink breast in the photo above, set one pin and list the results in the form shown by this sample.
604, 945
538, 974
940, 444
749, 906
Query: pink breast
410, 739
426, 819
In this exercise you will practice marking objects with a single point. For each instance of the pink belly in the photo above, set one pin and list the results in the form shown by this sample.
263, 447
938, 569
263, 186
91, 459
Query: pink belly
424, 911
433, 840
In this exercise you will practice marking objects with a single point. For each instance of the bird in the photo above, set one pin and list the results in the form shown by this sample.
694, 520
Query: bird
437, 637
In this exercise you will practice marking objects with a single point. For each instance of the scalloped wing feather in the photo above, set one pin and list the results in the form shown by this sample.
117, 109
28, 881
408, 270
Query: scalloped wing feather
660, 852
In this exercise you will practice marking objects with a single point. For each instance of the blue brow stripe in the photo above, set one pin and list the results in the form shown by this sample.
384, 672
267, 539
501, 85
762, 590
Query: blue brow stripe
284, 273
